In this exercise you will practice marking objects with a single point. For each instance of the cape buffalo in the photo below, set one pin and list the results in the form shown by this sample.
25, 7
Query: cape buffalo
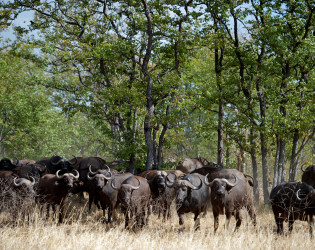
293, 201
27, 170
308, 175
56, 163
108, 196
191, 196
134, 196
190, 164
161, 195
228, 198
6, 164
53, 190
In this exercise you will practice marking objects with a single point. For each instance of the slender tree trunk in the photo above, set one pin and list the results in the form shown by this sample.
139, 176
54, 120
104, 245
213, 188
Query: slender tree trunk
218, 70
294, 156
263, 140
147, 125
254, 165
227, 153
281, 163
276, 172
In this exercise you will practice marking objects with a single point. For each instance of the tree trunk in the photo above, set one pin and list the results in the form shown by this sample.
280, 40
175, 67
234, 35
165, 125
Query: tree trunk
263, 141
294, 156
147, 125
254, 165
275, 172
281, 164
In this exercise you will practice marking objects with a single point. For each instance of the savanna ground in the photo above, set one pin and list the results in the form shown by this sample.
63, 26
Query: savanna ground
86, 231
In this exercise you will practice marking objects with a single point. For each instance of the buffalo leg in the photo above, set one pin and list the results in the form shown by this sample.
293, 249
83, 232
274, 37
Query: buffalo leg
149, 213
279, 221
216, 221
181, 222
238, 220
291, 221
310, 224
197, 221
47, 212
228, 219
251, 212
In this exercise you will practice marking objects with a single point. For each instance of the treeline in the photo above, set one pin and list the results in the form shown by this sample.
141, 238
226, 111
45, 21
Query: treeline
231, 81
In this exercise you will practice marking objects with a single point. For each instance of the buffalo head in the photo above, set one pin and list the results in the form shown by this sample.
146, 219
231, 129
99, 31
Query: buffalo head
67, 179
219, 186
182, 187
24, 186
125, 191
99, 178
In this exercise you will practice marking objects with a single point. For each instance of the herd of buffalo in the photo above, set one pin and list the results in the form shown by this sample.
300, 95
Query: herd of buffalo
195, 185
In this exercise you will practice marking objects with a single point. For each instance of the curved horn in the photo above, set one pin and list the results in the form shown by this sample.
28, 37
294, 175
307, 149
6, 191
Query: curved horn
33, 180
193, 186
208, 183
75, 160
90, 170
112, 185
298, 196
107, 168
76, 176
57, 174
89, 177
16, 184
108, 178
229, 183
135, 188
303, 170
145, 176
173, 182
56, 163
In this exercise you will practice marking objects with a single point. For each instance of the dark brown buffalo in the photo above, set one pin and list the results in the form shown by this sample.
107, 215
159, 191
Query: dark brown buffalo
293, 201
95, 183
54, 189
190, 164
229, 197
192, 196
27, 170
134, 196
308, 175
161, 195
93, 164
96, 163
56, 163
6, 164
108, 196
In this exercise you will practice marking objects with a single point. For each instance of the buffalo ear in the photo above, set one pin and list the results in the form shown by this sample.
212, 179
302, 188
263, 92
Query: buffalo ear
57, 183
228, 188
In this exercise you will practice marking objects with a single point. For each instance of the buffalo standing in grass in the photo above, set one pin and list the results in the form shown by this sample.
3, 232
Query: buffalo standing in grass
54, 189
228, 198
192, 196
293, 201
108, 197
134, 197
161, 195
16, 194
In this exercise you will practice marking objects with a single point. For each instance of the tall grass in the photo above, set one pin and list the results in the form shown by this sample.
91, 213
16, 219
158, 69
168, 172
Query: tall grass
86, 231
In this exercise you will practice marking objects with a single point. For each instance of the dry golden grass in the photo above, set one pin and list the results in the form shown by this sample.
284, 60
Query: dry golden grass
82, 231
